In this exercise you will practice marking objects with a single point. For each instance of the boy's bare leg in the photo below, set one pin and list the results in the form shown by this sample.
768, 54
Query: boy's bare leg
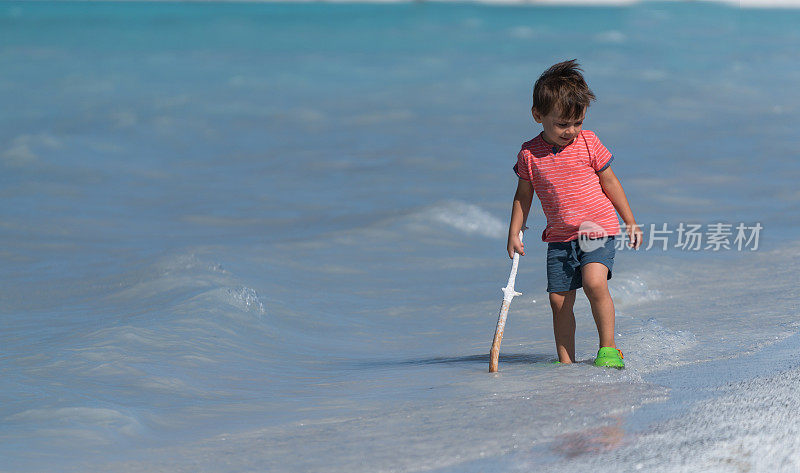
595, 285
564, 324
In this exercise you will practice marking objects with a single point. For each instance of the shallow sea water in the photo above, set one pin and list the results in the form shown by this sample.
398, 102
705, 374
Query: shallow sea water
271, 237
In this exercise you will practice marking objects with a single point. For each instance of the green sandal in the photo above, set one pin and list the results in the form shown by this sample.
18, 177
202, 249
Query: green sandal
610, 357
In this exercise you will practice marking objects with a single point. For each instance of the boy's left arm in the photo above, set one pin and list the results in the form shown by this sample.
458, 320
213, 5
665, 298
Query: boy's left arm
613, 190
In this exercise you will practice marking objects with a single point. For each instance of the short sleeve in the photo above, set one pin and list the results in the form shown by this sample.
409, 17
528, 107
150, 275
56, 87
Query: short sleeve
521, 168
599, 156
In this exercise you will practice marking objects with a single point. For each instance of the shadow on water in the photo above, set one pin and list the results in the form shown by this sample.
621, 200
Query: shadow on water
520, 358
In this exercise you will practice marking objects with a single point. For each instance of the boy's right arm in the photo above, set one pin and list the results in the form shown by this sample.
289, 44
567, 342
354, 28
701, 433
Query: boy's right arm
519, 215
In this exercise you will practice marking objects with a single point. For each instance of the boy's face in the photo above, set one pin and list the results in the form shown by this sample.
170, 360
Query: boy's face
558, 130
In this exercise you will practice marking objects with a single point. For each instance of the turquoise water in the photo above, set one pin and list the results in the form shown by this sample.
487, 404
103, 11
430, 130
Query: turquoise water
271, 236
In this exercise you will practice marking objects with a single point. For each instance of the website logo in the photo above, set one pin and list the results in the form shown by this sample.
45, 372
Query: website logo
591, 236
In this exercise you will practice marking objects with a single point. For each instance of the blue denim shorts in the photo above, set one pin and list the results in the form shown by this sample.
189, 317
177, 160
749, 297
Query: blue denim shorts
565, 259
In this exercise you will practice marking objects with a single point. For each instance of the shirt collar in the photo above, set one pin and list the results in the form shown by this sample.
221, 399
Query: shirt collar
555, 149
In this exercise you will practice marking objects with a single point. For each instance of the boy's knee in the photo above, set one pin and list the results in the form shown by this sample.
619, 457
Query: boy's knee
595, 286
559, 300
595, 279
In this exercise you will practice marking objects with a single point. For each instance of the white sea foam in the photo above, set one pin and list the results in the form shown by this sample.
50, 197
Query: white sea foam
751, 425
628, 290
187, 283
465, 217
653, 346
755, 428
174, 264
243, 298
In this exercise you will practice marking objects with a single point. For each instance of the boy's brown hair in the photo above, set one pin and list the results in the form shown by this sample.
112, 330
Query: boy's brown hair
562, 88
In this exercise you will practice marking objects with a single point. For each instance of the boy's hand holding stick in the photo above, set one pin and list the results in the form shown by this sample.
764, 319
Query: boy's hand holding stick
508, 295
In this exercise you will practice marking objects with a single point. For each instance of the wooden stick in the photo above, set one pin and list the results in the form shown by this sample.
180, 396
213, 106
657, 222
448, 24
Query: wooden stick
508, 296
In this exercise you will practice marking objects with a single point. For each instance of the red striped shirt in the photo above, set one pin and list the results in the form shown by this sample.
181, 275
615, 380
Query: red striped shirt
566, 182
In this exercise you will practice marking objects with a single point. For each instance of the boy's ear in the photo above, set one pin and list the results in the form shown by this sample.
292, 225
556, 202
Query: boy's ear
536, 115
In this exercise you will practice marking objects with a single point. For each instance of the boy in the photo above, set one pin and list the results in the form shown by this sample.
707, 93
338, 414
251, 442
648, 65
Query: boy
568, 168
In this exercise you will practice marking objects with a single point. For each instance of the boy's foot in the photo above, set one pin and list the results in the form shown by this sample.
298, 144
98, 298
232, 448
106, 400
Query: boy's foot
611, 357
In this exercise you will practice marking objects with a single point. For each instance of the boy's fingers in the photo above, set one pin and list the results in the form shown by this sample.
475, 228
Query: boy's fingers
635, 240
516, 250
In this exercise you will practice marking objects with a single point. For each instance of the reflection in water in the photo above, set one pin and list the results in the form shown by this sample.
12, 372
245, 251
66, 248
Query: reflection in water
595, 440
